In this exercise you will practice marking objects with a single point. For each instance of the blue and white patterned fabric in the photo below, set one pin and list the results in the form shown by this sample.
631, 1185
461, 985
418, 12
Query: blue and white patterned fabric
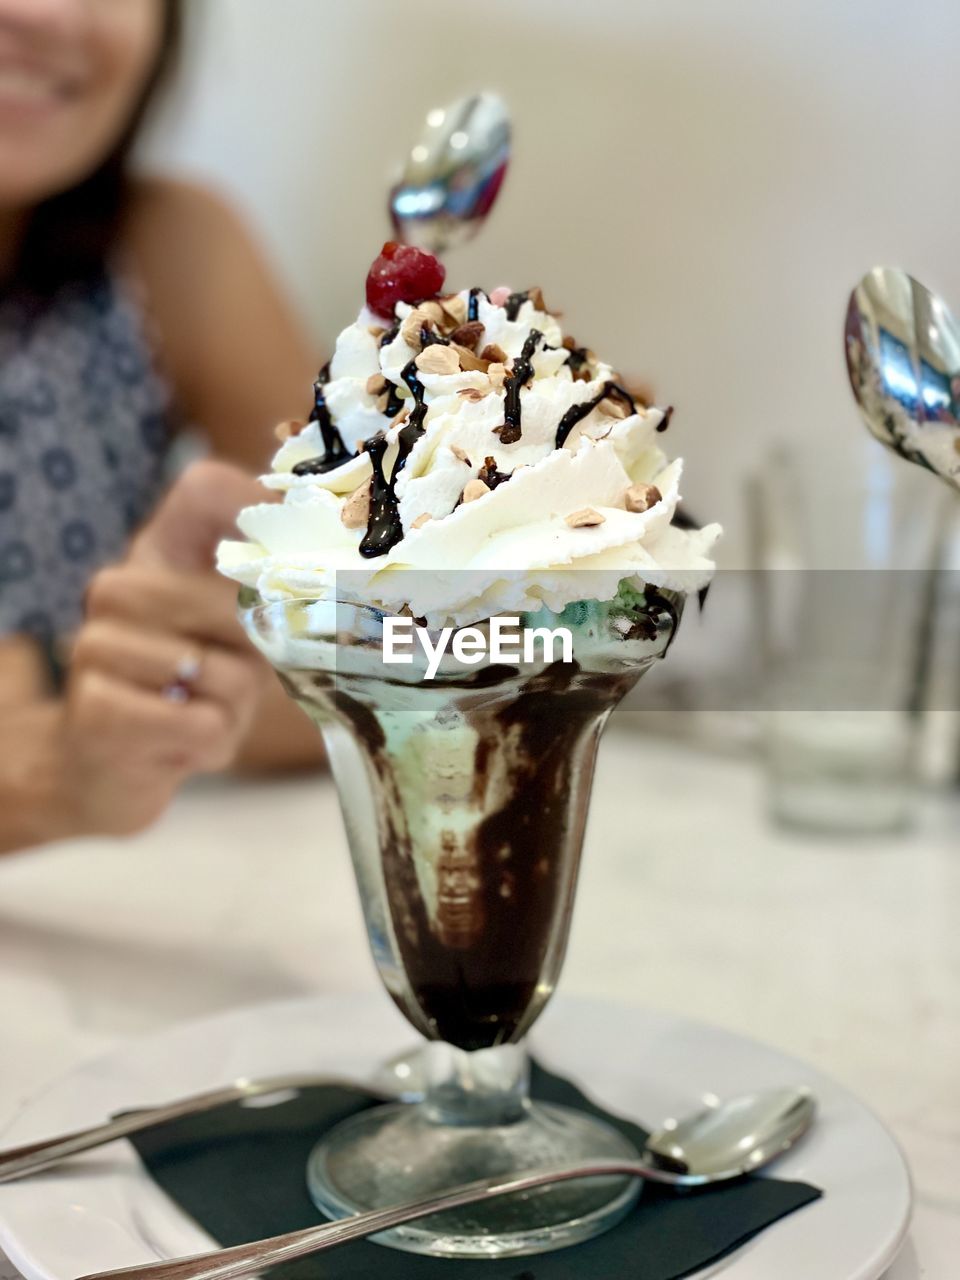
85, 427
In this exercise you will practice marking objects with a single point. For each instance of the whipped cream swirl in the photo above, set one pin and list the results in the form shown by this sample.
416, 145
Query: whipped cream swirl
480, 466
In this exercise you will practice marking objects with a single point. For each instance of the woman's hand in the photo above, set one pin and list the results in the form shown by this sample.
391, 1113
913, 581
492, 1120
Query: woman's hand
163, 683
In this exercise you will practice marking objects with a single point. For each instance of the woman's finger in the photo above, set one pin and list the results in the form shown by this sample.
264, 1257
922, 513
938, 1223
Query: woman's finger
198, 606
200, 509
161, 663
121, 726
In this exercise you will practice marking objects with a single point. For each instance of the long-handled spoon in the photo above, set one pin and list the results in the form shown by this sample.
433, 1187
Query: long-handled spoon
33, 1157
723, 1142
903, 357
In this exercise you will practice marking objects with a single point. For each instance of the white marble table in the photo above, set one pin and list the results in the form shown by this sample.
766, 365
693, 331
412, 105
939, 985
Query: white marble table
847, 954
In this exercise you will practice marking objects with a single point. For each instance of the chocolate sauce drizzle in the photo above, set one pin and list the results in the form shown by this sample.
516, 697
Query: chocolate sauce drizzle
385, 528
391, 333
577, 359
514, 303
335, 451
473, 306
490, 476
517, 379
576, 414
394, 402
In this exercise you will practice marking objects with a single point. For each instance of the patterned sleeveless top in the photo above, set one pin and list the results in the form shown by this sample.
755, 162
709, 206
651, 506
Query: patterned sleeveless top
85, 427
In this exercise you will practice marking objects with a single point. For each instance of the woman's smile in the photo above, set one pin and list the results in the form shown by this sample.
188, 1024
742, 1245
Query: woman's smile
29, 90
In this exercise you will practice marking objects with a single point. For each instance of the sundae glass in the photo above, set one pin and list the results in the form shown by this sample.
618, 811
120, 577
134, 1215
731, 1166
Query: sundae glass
468, 479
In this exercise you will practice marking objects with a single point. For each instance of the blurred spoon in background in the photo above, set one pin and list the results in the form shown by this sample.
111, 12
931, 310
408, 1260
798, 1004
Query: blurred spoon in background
903, 358
453, 174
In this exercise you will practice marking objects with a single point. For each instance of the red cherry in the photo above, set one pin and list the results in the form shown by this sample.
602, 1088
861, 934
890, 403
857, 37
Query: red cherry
402, 274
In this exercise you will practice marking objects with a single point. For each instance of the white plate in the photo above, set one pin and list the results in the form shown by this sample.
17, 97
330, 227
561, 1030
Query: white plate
101, 1211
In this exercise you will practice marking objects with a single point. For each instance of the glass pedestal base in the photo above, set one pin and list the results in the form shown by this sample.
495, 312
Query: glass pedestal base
397, 1153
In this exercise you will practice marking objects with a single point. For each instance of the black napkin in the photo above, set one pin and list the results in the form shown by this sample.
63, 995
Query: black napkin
239, 1172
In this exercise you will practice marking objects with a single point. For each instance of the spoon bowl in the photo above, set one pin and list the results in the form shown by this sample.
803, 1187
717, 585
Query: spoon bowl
453, 174
903, 358
733, 1137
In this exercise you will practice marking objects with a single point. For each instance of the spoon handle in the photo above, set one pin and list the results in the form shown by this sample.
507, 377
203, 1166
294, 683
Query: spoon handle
19, 1162
250, 1259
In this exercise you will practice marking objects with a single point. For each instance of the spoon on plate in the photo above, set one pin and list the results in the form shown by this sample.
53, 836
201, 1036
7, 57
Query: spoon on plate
453, 174
714, 1145
903, 358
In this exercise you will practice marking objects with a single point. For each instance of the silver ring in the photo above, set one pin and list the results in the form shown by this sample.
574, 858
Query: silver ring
186, 674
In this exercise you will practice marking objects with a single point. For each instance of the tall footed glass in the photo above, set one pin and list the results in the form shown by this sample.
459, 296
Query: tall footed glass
465, 798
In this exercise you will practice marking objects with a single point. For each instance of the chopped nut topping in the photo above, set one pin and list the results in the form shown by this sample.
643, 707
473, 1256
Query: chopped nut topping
287, 430
421, 520
494, 353
641, 497
376, 331
497, 374
356, 509
474, 394
585, 519
410, 329
438, 359
382, 402
614, 408
460, 454
433, 311
474, 489
468, 335
470, 362
455, 309
536, 297
376, 384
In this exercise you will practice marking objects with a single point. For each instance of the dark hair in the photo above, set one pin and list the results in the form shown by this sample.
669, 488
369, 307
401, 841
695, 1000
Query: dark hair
69, 235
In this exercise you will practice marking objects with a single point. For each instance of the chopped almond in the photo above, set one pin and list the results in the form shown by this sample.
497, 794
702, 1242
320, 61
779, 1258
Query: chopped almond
421, 520
475, 489
460, 455
411, 327
641, 497
474, 394
614, 408
585, 519
433, 311
376, 384
356, 510
438, 359
469, 362
455, 309
468, 335
497, 374
494, 353
376, 331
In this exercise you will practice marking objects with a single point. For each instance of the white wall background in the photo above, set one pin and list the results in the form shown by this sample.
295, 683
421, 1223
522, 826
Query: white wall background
697, 184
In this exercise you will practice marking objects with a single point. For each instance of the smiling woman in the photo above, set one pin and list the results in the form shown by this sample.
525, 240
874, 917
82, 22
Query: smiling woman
75, 84
128, 307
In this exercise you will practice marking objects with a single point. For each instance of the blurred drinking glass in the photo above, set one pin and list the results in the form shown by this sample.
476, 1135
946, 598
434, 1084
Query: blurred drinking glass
846, 558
